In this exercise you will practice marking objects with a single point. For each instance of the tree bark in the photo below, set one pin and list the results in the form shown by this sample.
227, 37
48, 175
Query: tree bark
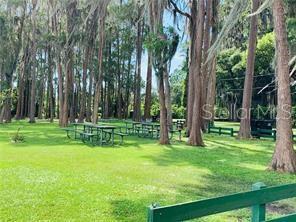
205, 68
139, 48
33, 70
211, 95
168, 100
84, 85
21, 86
164, 139
68, 89
98, 84
195, 138
147, 108
284, 157
50, 85
191, 65
245, 124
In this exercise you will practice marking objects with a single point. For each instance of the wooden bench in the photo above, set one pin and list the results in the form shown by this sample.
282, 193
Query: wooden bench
221, 130
121, 135
257, 199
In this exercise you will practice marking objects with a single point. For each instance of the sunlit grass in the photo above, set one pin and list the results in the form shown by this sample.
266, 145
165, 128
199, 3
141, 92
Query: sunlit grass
52, 178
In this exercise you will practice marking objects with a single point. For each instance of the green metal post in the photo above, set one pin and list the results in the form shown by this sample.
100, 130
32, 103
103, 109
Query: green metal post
150, 212
258, 211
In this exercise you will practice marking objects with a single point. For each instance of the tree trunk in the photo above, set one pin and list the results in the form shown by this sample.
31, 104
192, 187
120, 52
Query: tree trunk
99, 81
60, 90
50, 84
58, 64
211, 95
21, 87
195, 138
147, 109
33, 70
284, 157
90, 97
205, 68
84, 85
245, 124
137, 99
168, 100
191, 65
164, 138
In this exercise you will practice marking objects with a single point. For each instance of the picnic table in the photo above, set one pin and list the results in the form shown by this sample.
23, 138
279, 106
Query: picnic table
130, 126
89, 131
149, 130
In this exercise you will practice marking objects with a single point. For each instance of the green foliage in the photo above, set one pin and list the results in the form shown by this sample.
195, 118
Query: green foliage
177, 81
179, 112
163, 45
231, 69
155, 110
265, 54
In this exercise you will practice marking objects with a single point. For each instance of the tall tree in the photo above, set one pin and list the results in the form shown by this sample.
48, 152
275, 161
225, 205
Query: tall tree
148, 96
103, 5
33, 68
245, 124
89, 42
205, 65
50, 53
211, 94
139, 48
284, 157
69, 76
195, 76
160, 63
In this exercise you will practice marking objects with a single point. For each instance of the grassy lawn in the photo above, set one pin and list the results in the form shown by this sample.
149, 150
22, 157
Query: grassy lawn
52, 178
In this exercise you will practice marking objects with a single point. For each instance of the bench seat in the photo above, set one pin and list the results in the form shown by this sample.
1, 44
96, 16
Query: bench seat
86, 136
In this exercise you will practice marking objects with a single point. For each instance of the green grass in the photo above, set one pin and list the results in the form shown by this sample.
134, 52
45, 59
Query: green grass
52, 178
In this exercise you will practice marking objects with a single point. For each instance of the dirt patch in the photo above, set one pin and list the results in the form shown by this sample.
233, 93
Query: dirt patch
280, 208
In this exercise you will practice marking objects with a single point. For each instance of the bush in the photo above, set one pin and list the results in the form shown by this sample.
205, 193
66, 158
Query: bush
178, 112
17, 137
155, 109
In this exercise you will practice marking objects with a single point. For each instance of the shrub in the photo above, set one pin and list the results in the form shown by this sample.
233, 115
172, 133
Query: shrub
17, 137
178, 112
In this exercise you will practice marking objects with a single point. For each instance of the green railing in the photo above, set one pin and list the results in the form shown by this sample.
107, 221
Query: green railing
221, 130
257, 198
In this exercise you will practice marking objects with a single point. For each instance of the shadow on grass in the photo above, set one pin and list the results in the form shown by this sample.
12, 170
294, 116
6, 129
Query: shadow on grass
232, 167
